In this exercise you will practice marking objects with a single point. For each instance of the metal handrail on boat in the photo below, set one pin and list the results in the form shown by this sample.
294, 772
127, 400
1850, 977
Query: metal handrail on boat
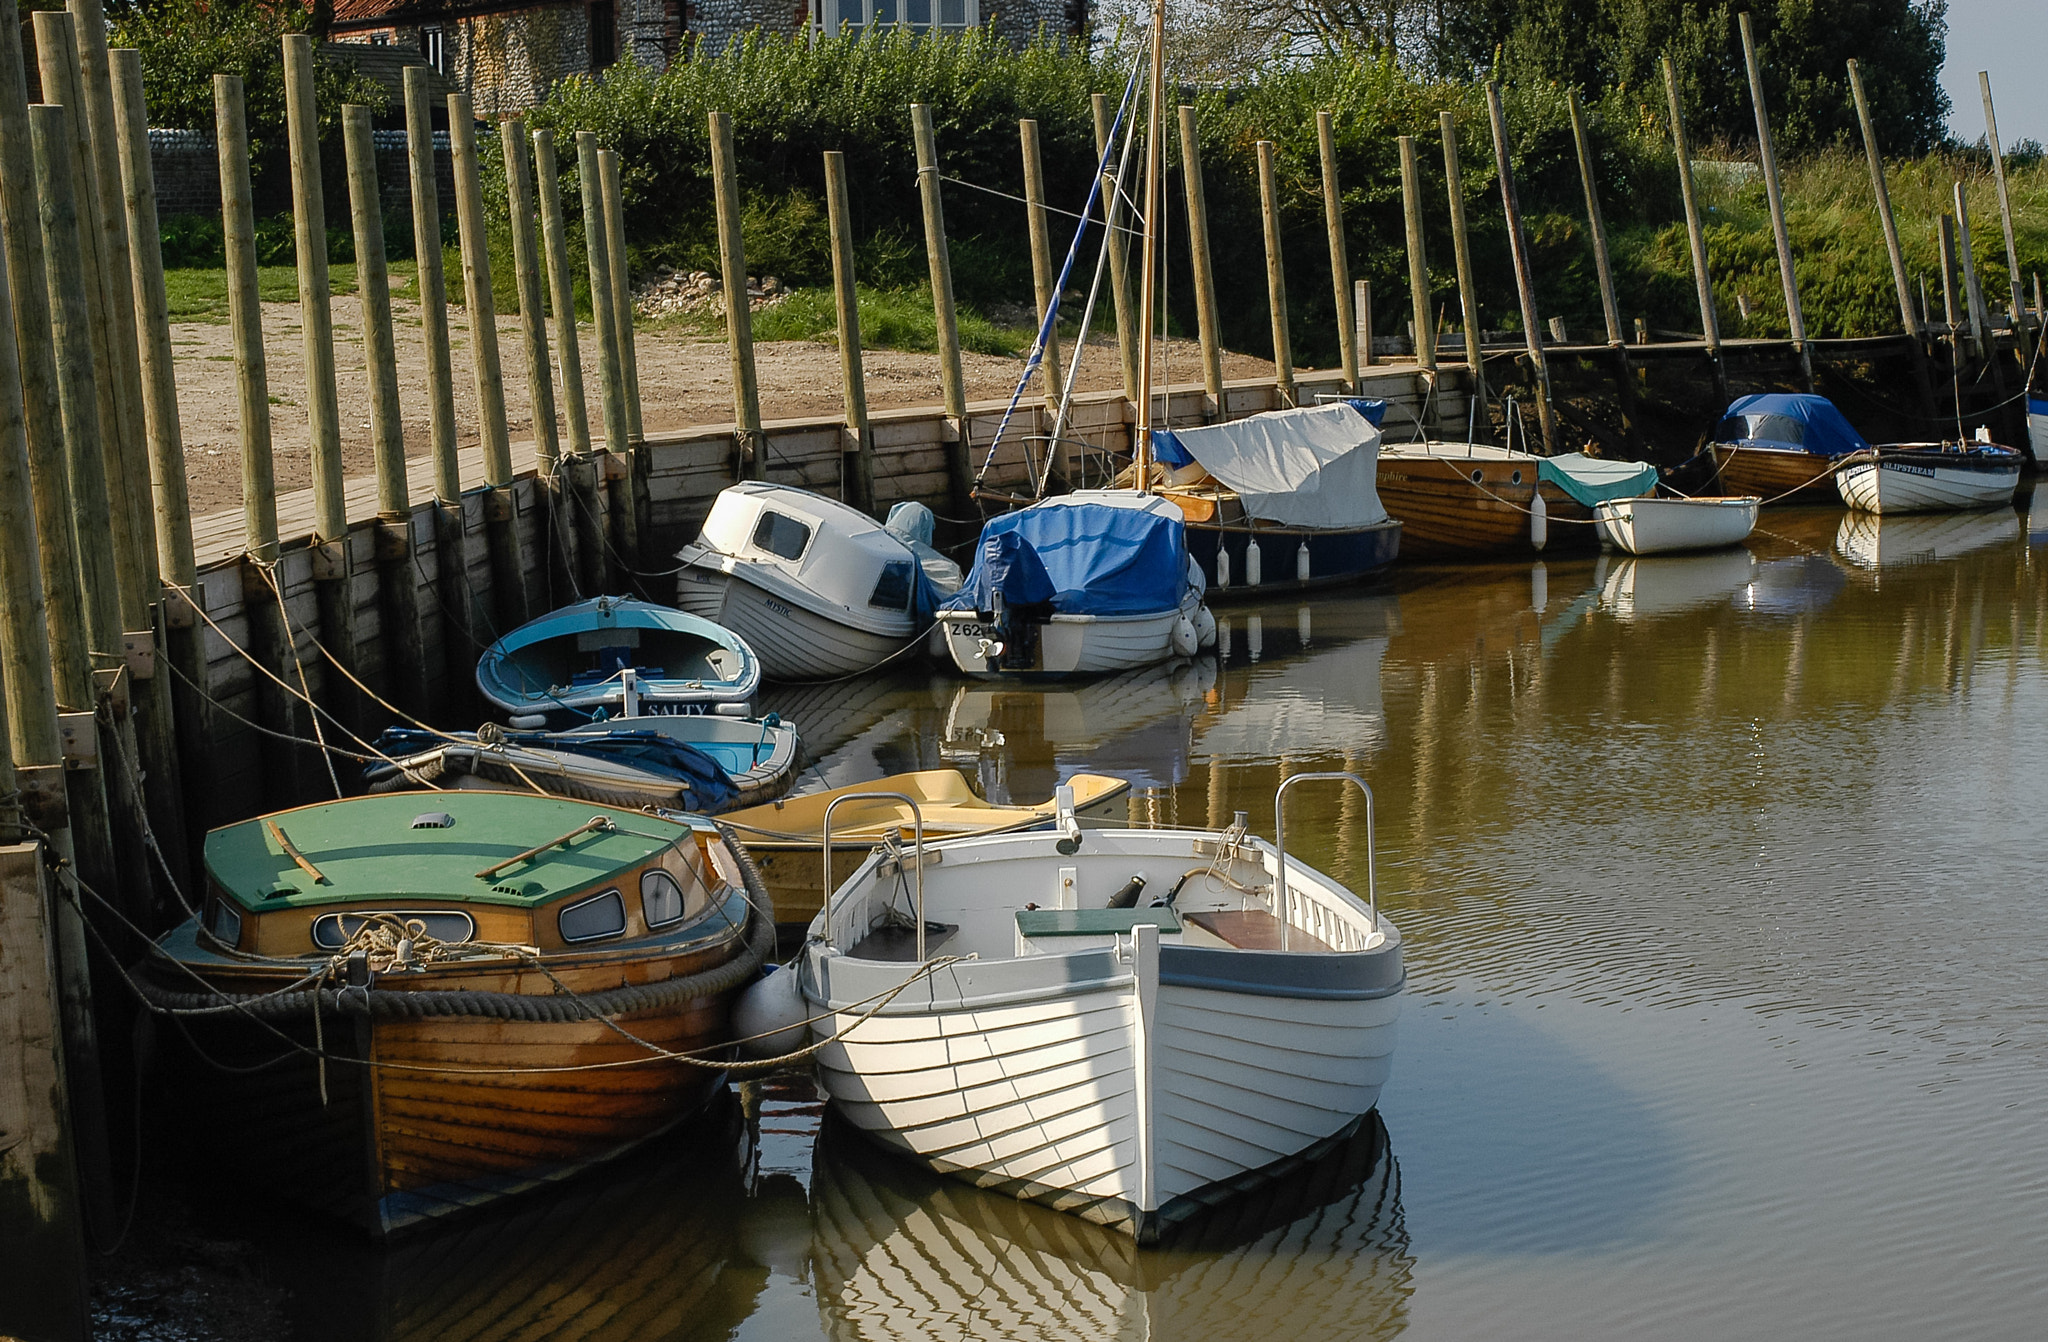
917, 820
1372, 891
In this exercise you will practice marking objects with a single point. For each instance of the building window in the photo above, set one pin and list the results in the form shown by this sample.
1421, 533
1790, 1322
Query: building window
856, 16
434, 46
604, 34
380, 39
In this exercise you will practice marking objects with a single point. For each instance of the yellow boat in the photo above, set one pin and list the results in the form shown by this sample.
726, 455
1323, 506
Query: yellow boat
785, 837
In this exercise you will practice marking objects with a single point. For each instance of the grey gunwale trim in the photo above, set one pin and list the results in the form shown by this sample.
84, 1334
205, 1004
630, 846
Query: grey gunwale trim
1323, 975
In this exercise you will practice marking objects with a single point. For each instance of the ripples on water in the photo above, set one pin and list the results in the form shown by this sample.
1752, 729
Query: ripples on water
1726, 944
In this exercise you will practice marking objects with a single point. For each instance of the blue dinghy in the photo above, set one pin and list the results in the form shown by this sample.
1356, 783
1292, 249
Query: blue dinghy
700, 763
615, 657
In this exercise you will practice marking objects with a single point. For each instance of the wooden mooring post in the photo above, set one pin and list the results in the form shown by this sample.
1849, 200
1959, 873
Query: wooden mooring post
622, 287
1204, 264
623, 541
267, 646
1525, 278
1044, 278
1914, 330
1603, 267
451, 535
853, 378
177, 621
501, 511
1695, 233
1276, 277
2012, 251
333, 583
1119, 251
405, 665
739, 310
1418, 275
557, 535
1340, 263
1468, 284
952, 380
1774, 196
579, 467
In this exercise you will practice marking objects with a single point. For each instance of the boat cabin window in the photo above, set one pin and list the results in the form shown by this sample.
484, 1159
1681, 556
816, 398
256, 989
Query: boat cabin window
590, 919
1763, 429
783, 537
661, 898
892, 589
224, 923
331, 931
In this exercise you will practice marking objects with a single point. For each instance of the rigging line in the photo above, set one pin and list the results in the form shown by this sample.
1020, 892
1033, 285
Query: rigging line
1052, 309
284, 613
1049, 209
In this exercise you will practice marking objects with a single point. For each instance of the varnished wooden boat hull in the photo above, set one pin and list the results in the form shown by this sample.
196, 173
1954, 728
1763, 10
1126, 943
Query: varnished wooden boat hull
393, 1148
1446, 514
1775, 476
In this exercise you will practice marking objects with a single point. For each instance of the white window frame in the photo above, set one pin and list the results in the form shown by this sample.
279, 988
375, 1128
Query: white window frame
831, 14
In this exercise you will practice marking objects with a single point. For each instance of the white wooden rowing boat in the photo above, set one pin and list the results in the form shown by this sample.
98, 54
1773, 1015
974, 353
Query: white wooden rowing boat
1114, 1062
1649, 525
1930, 478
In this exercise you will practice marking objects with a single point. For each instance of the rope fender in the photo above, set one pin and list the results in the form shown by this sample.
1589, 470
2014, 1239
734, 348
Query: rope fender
410, 1004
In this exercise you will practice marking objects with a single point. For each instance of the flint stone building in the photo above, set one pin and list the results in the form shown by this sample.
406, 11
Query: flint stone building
507, 54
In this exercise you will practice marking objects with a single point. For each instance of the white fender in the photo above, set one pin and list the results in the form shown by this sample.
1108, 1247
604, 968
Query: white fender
1539, 520
1185, 641
1222, 565
1251, 564
773, 1008
1205, 627
1301, 563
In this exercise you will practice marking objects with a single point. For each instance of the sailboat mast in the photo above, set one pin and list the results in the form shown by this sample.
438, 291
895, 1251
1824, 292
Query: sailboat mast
1148, 286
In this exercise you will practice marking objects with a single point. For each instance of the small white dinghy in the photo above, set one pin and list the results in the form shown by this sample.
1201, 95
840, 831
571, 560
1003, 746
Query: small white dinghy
818, 589
1929, 478
1651, 525
1115, 1022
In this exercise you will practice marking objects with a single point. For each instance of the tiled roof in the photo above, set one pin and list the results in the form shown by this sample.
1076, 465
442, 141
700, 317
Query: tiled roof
351, 14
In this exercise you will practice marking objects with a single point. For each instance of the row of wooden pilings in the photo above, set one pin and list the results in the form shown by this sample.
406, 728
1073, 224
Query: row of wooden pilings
112, 727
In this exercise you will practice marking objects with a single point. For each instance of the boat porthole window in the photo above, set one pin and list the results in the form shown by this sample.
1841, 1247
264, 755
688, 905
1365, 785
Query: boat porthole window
892, 589
1477, 475
590, 919
225, 924
784, 537
1515, 478
331, 931
661, 898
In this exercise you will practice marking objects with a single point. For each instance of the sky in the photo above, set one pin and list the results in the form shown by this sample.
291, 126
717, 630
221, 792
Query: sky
2010, 39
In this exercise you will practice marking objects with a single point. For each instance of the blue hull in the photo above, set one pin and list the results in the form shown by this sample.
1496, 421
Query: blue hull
1333, 557
569, 667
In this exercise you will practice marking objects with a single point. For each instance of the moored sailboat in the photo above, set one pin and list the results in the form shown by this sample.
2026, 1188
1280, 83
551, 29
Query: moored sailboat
1929, 477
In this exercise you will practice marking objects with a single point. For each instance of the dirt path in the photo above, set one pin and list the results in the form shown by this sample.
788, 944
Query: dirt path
685, 379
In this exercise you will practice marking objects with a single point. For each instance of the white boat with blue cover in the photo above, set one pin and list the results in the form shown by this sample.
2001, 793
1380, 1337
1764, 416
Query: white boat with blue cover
2037, 430
612, 656
1115, 1022
1083, 584
817, 588
1280, 501
699, 763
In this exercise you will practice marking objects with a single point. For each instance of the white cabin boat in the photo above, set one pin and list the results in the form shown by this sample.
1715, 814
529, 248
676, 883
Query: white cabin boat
1114, 1047
1083, 584
1929, 478
1651, 525
817, 588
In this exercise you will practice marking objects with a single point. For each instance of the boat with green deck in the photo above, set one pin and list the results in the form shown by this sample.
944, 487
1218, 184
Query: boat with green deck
456, 995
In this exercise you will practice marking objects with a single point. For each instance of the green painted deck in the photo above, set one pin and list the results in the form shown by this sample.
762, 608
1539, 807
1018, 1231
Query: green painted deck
367, 848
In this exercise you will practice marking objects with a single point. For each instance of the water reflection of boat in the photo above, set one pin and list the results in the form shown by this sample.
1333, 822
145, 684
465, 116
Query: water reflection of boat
1023, 740
1330, 693
633, 1252
1794, 585
1642, 589
1873, 540
903, 1253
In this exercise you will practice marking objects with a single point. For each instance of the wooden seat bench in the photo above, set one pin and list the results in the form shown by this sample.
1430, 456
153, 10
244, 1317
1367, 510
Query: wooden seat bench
1255, 930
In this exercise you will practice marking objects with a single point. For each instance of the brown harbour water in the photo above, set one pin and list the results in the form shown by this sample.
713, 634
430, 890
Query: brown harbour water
1727, 1016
